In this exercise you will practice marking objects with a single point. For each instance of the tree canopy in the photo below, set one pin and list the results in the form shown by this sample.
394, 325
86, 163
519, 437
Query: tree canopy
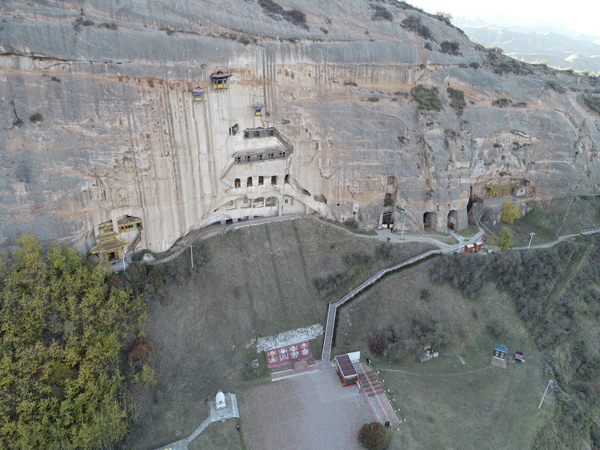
506, 239
63, 376
510, 211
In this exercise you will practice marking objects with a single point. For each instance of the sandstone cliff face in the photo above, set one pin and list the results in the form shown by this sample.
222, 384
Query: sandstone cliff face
121, 134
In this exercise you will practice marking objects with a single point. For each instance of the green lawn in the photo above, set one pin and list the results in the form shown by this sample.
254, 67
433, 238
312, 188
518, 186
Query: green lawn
447, 404
220, 436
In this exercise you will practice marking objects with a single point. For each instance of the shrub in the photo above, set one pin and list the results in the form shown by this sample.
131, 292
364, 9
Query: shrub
109, 26
474, 65
457, 100
36, 118
450, 47
350, 83
379, 342
555, 87
593, 103
427, 98
373, 99
374, 436
140, 351
425, 294
330, 283
413, 23
384, 251
502, 102
502, 64
275, 11
428, 46
382, 14
351, 223
17, 123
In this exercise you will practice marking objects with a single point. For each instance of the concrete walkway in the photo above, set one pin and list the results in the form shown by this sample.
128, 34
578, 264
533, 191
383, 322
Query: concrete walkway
229, 412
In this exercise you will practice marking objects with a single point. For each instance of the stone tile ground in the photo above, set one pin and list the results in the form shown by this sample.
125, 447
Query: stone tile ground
312, 411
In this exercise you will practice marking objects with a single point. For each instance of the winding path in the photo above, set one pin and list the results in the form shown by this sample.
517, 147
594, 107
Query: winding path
332, 310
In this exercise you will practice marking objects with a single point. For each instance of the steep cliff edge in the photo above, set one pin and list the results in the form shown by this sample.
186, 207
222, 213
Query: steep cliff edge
122, 135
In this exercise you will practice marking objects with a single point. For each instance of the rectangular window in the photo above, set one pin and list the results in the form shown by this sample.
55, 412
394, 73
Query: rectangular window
261, 181
274, 180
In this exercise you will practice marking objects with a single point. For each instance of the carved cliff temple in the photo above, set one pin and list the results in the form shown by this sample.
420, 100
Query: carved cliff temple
220, 80
510, 186
453, 220
430, 220
258, 107
117, 237
198, 94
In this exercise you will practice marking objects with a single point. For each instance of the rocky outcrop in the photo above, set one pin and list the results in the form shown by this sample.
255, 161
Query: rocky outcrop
122, 135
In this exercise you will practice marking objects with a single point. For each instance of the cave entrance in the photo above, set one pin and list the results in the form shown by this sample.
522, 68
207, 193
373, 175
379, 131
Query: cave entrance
387, 221
429, 220
453, 220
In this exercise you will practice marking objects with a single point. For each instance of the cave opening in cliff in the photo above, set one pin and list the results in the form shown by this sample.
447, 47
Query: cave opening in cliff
238, 183
429, 220
274, 180
261, 181
249, 182
387, 220
388, 201
453, 220
287, 179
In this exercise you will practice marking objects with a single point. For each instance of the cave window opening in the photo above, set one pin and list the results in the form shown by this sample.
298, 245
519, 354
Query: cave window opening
274, 180
238, 183
249, 183
261, 181
287, 179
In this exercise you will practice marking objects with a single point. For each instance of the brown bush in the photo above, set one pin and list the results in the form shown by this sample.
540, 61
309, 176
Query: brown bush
140, 351
379, 342
374, 436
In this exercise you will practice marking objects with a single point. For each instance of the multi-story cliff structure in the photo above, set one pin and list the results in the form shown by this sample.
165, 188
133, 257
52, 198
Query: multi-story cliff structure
174, 116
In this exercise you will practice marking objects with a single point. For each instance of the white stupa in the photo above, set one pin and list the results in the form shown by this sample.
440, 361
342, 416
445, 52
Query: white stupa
220, 400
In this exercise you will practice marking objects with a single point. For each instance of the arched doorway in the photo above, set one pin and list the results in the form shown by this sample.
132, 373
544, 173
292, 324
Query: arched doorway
453, 220
429, 220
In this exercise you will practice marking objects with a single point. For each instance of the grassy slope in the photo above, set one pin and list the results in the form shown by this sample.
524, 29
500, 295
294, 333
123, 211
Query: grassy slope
448, 404
546, 218
258, 281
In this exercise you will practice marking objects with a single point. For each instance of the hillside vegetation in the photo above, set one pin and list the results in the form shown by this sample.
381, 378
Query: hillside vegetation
543, 302
63, 327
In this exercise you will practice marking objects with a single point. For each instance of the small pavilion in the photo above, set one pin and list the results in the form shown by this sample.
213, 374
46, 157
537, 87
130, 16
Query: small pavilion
346, 370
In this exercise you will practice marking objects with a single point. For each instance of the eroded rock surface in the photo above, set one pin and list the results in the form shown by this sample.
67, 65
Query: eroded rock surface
122, 135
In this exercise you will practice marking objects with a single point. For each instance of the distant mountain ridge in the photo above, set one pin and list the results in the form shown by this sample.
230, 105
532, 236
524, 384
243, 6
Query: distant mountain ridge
579, 51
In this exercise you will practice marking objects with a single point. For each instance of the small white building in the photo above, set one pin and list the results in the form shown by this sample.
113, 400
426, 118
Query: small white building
220, 400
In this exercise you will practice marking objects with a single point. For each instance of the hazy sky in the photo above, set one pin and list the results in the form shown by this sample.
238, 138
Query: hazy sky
581, 16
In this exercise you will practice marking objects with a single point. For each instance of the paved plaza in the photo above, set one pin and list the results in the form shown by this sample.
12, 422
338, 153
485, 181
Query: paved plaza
312, 411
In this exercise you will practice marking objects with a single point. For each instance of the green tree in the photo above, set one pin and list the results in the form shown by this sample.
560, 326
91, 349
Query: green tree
510, 211
506, 239
62, 329
374, 436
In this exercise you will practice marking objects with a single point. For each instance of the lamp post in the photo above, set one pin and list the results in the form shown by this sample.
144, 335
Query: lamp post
532, 234
547, 387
